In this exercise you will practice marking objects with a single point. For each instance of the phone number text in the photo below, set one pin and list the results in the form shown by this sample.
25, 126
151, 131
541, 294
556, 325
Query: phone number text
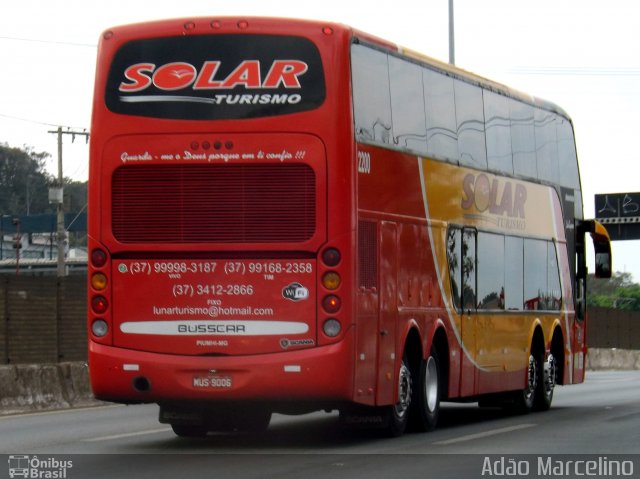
191, 290
210, 267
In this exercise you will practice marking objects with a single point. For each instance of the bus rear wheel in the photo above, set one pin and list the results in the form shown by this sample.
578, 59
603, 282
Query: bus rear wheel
525, 399
398, 414
546, 384
426, 404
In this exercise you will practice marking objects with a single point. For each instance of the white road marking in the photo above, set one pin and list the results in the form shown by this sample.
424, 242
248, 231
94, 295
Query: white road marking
58, 411
480, 435
128, 434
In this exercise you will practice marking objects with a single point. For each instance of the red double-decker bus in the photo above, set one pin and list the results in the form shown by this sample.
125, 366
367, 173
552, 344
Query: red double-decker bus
288, 216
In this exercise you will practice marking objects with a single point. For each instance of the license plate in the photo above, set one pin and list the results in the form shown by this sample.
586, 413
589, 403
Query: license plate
212, 382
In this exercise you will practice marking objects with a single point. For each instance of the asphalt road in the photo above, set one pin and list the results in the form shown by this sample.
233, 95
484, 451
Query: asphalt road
599, 419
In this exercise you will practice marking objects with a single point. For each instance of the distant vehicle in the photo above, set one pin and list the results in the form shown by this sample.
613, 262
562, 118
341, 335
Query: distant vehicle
289, 216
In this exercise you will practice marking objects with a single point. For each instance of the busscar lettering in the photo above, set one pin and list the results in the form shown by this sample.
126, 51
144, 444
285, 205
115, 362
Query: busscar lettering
211, 328
180, 75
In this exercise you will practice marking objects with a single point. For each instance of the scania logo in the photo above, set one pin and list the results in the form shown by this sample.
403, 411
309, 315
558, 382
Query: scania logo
295, 292
179, 75
291, 343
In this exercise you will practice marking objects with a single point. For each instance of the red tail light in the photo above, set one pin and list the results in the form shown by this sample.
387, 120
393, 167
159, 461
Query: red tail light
98, 258
331, 304
99, 304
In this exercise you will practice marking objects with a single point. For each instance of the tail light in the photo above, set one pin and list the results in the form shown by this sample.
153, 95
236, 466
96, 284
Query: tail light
99, 304
331, 257
100, 328
332, 327
98, 281
331, 304
331, 280
99, 293
98, 258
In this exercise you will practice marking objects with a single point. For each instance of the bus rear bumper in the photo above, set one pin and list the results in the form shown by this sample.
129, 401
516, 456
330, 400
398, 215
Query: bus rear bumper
321, 375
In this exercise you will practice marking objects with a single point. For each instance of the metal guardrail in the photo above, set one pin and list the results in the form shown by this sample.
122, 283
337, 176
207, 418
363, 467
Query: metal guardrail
40, 265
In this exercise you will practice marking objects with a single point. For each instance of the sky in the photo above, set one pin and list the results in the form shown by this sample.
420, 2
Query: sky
583, 55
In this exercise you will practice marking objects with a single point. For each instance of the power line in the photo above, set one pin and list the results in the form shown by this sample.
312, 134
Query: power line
50, 42
577, 71
26, 120
37, 122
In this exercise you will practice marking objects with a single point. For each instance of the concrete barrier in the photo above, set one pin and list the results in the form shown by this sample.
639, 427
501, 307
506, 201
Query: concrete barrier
613, 359
38, 387
34, 387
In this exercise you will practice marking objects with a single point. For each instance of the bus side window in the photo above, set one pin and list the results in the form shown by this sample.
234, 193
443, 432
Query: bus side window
523, 139
461, 254
454, 249
371, 97
498, 132
470, 119
491, 269
469, 287
442, 136
514, 275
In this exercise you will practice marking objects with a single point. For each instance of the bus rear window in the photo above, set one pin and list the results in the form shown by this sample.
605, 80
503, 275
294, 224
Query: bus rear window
214, 77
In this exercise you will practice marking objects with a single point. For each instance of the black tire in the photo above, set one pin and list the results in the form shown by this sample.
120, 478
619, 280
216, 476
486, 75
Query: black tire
255, 421
525, 399
398, 414
183, 430
427, 394
546, 384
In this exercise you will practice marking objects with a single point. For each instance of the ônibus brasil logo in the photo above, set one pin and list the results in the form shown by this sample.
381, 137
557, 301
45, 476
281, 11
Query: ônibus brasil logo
180, 75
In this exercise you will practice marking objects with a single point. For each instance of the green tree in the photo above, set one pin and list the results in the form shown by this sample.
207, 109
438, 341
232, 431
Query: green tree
24, 184
75, 195
23, 181
619, 292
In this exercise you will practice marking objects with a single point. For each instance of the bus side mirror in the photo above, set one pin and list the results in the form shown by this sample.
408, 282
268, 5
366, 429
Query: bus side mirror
603, 265
601, 245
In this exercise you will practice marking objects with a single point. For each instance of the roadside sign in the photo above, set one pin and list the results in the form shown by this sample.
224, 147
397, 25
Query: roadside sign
620, 214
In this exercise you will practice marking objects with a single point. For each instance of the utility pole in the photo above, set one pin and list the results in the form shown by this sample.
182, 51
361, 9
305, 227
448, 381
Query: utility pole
57, 196
452, 46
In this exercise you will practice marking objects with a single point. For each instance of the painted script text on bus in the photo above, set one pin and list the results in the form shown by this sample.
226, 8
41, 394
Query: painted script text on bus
498, 197
178, 75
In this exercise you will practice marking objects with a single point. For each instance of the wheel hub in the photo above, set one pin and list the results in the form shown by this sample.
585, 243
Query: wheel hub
404, 391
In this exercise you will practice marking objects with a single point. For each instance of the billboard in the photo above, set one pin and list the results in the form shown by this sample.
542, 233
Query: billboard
620, 214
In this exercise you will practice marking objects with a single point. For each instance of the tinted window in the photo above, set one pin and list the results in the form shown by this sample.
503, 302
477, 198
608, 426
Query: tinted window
207, 77
372, 104
535, 274
568, 162
554, 292
546, 145
523, 139
498, 132
491, 292
513, 273
469, 269
407, 105
454, 255
470, 119
442, 137
461, 254
496, 272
